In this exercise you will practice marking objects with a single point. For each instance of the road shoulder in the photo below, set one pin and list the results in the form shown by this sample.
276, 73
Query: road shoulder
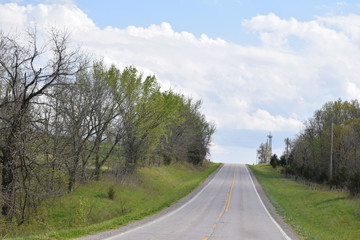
136, 224
286, 228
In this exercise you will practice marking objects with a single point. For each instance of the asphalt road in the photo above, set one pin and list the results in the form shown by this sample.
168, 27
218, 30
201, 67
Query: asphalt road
228, 207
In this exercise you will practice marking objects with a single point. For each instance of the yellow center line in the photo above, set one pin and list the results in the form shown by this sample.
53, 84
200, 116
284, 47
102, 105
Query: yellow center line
227, 205
230, 193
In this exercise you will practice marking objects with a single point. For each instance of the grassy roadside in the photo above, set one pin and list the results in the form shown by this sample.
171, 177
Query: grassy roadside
313, 213
89, 210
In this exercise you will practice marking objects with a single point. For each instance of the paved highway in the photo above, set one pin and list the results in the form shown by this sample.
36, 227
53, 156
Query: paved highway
228, 207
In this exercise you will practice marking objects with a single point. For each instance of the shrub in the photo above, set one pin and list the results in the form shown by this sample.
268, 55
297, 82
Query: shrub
323, 177
111, 193
274, 161
282, 161
291, 169
354, 184
308, 173
167, 160
339, 179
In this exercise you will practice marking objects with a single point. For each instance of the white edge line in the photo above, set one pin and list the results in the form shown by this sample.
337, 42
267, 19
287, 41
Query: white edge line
262, 203
166, 215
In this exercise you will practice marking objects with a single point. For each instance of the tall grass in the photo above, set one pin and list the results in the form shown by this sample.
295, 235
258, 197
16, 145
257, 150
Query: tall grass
314, 213
92, 208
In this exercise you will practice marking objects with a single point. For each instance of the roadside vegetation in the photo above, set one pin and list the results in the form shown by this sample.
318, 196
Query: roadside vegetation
67, 121
315, 184
313, 210
111, 203
327, 150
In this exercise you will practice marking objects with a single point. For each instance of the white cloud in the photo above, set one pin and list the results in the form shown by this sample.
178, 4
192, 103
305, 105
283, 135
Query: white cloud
274, 32
349, 25
263, 120
63, 16
299, 66
353, 90
217, 149
259, 119
235, 155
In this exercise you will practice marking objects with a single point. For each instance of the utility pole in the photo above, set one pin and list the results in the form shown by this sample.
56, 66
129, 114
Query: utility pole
287, 143
331, 147
267, 151
270, 145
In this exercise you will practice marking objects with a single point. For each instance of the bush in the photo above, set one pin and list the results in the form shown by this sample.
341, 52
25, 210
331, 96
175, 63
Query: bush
282, 161
323, 177
339, 179
111, 193
274, 161
167, 160
289, 170
308, 173
354, 184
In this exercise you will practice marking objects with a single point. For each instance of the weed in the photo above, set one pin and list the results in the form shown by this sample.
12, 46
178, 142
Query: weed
93, 208
111, 193
313, 212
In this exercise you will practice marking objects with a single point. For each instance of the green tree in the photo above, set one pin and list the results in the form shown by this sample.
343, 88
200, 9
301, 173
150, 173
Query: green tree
105, 115
262, 153
274, 161
311, 150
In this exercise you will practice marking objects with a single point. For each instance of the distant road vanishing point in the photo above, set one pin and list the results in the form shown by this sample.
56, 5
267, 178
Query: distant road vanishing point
227, 208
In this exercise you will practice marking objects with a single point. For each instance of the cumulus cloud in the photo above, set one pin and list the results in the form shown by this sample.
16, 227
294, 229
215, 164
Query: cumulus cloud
44, 16
328, 57
273, 86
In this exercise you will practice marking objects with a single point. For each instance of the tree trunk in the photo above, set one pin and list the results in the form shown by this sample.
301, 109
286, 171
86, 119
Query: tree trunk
71, 185
7, 184
98, 164
97, 172
130, 162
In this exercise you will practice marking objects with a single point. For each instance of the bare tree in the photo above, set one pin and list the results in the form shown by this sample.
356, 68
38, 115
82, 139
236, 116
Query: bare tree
105, 119
76, 109
28, 72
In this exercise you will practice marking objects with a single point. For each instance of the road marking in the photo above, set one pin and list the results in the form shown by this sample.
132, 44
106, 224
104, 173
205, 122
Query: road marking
168, 214
230, 193
226, 206
262, 203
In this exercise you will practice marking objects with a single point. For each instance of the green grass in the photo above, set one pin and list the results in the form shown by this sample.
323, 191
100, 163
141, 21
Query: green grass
89, 210
312, 212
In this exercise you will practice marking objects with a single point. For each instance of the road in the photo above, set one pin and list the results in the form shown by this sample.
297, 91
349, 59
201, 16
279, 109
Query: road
228, 207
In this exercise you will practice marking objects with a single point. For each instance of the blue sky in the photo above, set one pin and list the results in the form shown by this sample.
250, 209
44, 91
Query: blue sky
216, 18
258, 66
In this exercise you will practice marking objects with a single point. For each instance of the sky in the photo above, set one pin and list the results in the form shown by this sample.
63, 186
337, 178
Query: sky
258, 66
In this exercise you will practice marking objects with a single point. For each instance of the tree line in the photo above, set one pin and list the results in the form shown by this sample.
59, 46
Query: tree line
64, 119
327, 150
